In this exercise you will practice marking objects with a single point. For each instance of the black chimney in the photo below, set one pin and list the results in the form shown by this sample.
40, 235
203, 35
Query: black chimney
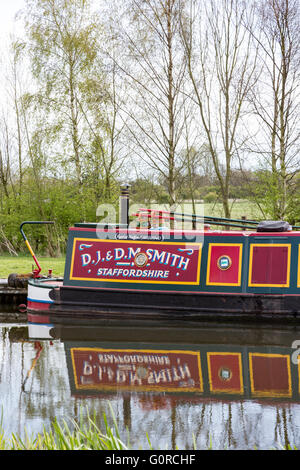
124, 205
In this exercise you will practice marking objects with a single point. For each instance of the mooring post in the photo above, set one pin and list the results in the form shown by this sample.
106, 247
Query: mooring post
124, 205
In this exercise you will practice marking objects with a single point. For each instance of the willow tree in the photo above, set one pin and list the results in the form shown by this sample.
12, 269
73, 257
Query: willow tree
62, 42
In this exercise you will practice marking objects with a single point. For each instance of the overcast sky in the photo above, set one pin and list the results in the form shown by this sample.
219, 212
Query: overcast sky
8, 9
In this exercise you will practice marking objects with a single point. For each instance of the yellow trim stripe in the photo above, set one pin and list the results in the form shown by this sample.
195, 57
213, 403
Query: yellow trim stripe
298, 374
298, 276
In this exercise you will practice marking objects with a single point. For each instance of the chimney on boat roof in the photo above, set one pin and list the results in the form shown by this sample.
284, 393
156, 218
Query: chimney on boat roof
124, 205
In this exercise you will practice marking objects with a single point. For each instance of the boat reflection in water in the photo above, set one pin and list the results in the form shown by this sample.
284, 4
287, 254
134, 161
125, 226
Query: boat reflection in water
191, 366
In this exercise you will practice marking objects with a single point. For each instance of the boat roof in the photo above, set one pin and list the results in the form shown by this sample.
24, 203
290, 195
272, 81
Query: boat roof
230, 233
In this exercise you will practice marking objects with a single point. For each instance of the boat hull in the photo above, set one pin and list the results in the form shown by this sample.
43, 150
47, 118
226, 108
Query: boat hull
72, 301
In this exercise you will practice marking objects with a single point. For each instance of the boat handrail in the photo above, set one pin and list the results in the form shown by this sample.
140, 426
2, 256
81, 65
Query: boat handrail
179, 216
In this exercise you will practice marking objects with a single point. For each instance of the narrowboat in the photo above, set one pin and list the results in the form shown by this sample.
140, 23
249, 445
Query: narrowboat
118, 271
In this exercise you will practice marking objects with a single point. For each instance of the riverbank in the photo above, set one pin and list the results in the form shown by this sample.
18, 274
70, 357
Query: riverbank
12, 297
23, 264
10, 300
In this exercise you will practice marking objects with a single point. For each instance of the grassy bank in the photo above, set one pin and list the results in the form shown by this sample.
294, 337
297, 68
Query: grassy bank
82, 435
23, 264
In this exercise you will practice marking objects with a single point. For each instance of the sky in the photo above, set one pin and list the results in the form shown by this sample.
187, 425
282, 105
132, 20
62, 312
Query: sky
8, 26
8, 10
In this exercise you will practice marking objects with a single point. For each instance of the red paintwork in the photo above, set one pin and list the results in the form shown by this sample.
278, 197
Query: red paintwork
276, 258
34, 318
230, 275
227, 233
38, 305
232, 364
271, 375
108, 260
136, 369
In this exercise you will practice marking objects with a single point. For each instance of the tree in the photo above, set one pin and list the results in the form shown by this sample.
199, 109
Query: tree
16, 71
155, 68
221, 63
275, 99
63, 37
105, 153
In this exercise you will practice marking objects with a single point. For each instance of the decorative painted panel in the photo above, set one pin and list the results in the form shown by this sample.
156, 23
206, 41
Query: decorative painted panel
224, 264
269, 265
135, 369
135, 261
270, 375
225, 372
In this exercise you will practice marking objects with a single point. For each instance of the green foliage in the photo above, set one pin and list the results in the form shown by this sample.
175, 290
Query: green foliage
274, 201
72, 91
145, 190
61, 201
211, 197
82, 435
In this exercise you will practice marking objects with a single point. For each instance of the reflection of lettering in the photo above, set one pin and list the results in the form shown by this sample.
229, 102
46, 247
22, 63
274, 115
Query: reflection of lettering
133, 359
87, 368
134, 369
296, 354
154, 377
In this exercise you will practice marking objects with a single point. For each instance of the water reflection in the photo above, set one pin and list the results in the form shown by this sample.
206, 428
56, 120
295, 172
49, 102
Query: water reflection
225, 386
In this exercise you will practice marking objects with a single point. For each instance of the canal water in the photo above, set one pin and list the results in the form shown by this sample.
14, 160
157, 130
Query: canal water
218, 386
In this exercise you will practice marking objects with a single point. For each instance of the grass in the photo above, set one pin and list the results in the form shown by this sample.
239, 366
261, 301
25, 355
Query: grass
239, 208
22, 264
82, 435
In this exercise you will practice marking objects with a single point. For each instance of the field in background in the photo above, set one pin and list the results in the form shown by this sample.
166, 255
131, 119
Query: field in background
239, 208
